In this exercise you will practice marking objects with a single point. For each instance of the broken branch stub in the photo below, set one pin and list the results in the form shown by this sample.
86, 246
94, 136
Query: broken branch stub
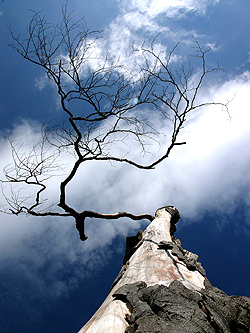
145, 262
163, 288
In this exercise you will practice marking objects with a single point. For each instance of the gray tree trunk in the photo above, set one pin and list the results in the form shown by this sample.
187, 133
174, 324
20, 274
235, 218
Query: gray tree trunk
163, 288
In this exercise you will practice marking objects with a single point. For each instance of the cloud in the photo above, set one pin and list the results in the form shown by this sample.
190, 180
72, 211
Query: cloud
210, 173
138, 23
172, 8
46, 252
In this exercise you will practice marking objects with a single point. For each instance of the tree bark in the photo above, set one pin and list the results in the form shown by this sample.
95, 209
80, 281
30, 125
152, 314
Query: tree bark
163, 288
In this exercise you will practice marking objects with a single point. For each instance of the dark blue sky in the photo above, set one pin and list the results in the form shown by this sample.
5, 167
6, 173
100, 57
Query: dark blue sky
52, 282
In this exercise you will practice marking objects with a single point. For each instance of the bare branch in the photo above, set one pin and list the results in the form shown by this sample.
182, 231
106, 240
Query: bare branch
106, 106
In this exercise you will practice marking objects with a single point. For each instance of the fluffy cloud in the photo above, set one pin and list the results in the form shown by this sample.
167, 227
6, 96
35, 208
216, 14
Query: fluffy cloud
172, 8
138, 23
210, 172
141, 21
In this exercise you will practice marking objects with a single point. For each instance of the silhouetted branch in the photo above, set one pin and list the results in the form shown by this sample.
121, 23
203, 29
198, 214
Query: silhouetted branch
113, 102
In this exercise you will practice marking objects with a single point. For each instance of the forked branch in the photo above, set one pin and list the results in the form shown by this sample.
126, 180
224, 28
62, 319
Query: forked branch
116, 107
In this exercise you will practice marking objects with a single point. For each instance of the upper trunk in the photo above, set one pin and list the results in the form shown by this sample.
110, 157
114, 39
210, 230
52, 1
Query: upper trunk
177, 300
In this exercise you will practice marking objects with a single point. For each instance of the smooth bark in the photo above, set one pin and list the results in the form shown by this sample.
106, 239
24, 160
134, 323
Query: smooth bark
152, 263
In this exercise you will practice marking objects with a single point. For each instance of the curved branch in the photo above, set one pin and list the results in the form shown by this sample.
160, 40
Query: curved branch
110, 94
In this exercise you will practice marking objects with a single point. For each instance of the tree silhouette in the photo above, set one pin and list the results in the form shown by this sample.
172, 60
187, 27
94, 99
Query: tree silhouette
107, 106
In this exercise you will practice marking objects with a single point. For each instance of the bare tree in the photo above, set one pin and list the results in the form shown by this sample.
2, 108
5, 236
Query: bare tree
103, 102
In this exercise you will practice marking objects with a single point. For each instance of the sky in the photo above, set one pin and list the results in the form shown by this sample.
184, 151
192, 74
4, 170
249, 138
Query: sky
50, 280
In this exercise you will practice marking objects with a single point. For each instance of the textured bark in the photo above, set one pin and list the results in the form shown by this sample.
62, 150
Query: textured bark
176, 309
163, 288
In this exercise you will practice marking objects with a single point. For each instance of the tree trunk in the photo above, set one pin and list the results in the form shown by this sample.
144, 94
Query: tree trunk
163, 288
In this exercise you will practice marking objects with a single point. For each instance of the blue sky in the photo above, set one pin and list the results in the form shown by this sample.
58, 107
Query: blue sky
52, 282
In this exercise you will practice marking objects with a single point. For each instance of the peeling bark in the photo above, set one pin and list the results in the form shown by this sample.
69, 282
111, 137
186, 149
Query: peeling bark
163, 288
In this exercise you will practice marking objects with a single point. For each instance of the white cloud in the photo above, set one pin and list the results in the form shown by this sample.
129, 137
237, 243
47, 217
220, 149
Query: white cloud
170, 8
214, 159
210, 173
41, 82
138, 23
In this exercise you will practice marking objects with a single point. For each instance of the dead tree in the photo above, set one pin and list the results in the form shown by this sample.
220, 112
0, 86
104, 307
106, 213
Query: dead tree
106, 105
163, 288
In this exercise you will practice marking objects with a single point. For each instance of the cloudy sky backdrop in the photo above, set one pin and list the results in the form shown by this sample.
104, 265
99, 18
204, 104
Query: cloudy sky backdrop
52, 282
